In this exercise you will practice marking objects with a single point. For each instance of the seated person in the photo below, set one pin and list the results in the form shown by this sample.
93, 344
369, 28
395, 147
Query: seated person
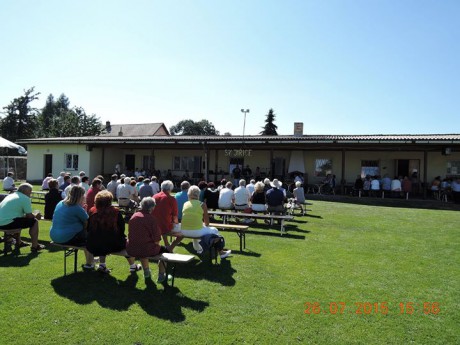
407, 185
299, 195
181, 198
226, 197
195, 221
386, 183
92, 192
275, 198
112, 186
396, 187
211, 197
84, 183
70, 221
359, 185
106, 231
144, 238
258, 200
16, 213
367, 185
74, 181
52, 198
242, 196
146, 189
8, 183
66, 182
435, 185
375, 185
46, 180
126, 194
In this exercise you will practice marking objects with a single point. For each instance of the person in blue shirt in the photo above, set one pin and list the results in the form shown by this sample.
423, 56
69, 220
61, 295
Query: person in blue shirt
182, 198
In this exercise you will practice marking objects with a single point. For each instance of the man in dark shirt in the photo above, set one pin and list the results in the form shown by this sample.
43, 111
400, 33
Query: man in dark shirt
236, 175
66, 183
275, 198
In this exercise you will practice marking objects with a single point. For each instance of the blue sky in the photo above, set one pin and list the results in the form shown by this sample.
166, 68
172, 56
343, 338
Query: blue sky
340, 67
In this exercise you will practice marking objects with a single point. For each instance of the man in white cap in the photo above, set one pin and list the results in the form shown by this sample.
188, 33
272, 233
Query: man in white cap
275, 197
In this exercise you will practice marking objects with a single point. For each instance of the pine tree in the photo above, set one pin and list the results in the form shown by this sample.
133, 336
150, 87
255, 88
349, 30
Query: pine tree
270, 127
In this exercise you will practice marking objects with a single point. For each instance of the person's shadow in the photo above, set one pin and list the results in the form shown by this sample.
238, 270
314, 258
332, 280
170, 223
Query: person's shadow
111, 293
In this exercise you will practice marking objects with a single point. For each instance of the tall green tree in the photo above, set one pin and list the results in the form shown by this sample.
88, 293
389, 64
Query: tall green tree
270, 127
20, 121
190, 127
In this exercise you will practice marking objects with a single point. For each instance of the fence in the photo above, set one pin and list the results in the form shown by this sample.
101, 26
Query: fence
15, 164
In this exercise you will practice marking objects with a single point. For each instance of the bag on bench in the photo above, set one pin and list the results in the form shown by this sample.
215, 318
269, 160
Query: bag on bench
212, 243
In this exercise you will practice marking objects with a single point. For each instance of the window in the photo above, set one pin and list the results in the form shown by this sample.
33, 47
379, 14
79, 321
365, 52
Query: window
187, 163
370, 168
71, 161
453, 168
323, 167
147, 162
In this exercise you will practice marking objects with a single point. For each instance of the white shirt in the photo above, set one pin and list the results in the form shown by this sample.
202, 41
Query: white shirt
60, 180
155, 187
241, 196
126, 191
112, 187
250, 187
396, 185
67, 190
84, 185
226, 198
45, 182
8, 183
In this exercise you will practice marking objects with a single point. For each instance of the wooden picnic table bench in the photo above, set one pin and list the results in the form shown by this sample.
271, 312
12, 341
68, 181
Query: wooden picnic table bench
271, 217
172, 258
38, 196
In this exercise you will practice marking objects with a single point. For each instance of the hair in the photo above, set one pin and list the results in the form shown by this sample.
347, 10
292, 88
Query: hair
229, 185
10, 174
194, 192
53, 183
75, 179
154, 178
140, 178
185, 185
74, 196
146, 181
100, 177
114, 176
82, 173
242, 183
50, 175
298, 184
211, 185
127, 180
259, 186
132, 183
103, 199
147, 204
202, 184
84, 178
25, 188
223, 182
252, 181
96, 182
167, 186
267, 181
66, 177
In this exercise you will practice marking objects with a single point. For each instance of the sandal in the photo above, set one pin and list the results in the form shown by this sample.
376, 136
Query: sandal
24, 244
37, 248
103, 269
134, 269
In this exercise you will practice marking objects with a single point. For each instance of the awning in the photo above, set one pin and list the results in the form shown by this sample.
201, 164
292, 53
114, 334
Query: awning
296, 163
10, 145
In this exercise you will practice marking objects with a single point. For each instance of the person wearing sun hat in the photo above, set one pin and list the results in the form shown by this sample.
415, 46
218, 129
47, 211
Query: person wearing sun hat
275, 197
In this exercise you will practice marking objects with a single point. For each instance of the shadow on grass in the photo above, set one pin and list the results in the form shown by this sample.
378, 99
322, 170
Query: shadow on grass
111, 293
221, 273
16, 259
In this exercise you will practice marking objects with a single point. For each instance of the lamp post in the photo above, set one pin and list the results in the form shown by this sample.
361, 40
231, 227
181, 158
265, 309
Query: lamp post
244, 123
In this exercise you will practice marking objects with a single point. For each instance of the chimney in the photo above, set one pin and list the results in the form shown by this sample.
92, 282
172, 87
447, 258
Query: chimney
108, 127
298, 129
120, 133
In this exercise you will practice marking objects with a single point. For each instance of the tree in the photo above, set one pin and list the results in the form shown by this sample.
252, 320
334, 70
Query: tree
270, 127
20, 121
190, 127
57, 119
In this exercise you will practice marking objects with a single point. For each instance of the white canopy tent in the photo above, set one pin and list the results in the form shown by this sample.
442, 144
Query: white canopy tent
10, 145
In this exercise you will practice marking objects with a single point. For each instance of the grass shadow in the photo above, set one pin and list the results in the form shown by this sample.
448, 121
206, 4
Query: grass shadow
278, 234
16, 259
111, 293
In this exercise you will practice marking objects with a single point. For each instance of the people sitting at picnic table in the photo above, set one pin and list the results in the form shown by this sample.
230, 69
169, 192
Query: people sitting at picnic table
144, 238
242, 196
52, 198
74, 181
16, 213
126, 194
165, 212
195, 222
375, 185
70, 222
367, 185
396, 187
358, 186
258, 199
181, 198
84, 183
386, 183
146, 189
406, 185
8, 183
226, 197
66, 182
276, 197
203, 185
251, 186
106, 231
92, 192
299, 196
46, 180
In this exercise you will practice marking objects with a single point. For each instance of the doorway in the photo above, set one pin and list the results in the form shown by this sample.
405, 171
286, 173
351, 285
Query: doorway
130, 162
48, 165
406, 167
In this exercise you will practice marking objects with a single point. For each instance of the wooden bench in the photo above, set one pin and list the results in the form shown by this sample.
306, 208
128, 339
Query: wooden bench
165, 257
271, 217
38, 196
239, 229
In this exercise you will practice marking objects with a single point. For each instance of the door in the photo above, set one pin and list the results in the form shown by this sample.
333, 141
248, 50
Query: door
130, 161
47, 165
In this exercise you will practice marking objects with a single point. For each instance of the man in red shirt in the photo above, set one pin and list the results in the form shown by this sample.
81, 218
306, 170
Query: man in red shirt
165, 212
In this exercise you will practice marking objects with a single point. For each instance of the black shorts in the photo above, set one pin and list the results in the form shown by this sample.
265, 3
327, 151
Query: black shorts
79, 240
19, 223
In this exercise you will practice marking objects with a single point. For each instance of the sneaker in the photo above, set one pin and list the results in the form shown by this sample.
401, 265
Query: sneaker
103, 269
135, 268
199, 252
37, 248
225, 254
162, 278
87, 267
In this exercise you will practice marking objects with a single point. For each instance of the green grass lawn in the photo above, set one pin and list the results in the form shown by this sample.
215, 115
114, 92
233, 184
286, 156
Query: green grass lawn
346, 253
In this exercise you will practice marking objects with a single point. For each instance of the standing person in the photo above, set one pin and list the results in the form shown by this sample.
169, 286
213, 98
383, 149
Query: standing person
16, 213
112, 186
70, 222
165, 212
236, 173
52, 198
195, 221
181, 198
106, 231
247, 173
144, 238
8, 183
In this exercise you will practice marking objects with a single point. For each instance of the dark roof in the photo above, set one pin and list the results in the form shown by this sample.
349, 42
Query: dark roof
137, 130
255, 139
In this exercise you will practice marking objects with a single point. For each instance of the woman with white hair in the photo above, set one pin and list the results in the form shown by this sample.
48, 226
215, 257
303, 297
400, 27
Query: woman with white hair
299, 196
195, 221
